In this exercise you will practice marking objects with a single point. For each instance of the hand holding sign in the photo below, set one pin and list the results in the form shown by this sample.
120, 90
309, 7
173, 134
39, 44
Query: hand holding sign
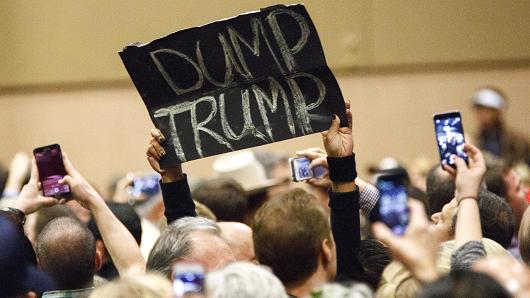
247, 81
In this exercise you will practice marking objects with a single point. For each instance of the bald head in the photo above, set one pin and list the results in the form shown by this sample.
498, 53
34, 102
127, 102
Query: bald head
67, 251
239, 238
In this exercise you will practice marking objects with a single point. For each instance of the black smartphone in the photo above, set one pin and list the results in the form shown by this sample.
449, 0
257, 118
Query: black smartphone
301, 169
392, 205
450, 137
51, 169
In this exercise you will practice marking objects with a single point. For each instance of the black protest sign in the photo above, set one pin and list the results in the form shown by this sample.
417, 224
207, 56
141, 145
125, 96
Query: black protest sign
242, 82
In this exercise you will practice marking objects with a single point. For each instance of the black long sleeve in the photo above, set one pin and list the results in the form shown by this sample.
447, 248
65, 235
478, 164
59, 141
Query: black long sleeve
177, 200
345, 225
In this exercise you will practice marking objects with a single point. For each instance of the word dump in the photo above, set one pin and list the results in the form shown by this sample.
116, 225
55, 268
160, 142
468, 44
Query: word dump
247, 81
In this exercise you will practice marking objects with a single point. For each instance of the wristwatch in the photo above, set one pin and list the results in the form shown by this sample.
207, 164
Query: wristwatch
17, 214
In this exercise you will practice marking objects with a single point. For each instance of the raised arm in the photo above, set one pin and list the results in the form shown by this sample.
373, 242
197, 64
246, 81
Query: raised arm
344, 198
467, 183
174, 184
121, 245
468, 232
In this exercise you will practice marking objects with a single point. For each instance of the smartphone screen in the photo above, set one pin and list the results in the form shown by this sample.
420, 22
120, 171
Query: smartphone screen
51, 169
188, 278
392, 204
450, 137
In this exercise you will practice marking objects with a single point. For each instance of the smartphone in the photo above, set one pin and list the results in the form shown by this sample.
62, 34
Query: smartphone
51, 169
392, 205
450, 137
147, 185
301, 169
188, 279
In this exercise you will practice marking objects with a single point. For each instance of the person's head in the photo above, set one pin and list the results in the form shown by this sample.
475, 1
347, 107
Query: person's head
225, 197
503, 181
496, 218
130, 219
440, 189
374, 257
204, 211
18, 272
193, 240
488, 103
444, 221
136, 286
244, 280
467, 284
345, 290
292, 235
524, 237
239, 238
66, 249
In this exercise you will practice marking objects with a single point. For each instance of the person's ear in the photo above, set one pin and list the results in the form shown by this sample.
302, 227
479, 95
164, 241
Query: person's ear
99, 261
100, 247
327, 251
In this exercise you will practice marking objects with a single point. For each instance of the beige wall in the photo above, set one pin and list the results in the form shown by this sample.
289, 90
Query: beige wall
105, 129
56, 41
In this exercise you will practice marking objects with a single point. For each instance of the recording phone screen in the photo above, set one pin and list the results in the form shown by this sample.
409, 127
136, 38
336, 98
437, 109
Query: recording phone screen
51, 169
450, 137
393, 209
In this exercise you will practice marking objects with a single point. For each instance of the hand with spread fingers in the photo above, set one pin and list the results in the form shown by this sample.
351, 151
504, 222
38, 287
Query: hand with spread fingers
418, 248
155, 152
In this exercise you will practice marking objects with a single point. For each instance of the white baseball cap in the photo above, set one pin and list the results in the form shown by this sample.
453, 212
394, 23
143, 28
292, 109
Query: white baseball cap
488, 98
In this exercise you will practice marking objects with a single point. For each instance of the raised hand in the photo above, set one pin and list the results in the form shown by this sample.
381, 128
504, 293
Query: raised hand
338, 141
317, 157
468, 178
155, 152
418, 248
30, 200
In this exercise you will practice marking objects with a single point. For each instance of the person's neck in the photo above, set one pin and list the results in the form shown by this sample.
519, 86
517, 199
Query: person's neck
304, 289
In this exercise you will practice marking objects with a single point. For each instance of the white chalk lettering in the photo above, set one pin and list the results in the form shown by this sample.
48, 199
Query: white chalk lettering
287, 52
200, 126
257, 28
265, 101
171, 112
167, 77
300, 103
248, 125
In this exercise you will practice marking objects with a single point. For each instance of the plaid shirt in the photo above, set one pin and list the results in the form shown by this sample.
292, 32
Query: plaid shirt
368, 199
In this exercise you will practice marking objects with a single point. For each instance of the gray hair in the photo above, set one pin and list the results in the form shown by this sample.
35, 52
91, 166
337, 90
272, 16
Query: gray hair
244, 280
175, 242
336, 290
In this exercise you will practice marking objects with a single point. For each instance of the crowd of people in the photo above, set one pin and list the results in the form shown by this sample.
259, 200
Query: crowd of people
251, 231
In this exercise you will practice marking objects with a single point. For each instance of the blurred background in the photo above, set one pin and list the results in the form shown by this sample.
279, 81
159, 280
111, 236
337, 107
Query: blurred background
62, 81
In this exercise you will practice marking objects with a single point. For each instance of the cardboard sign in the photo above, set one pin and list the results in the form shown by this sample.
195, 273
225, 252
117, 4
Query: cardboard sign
246, 81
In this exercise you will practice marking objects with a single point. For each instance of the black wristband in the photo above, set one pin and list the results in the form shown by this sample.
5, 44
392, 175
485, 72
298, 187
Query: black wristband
16, 214
342, 169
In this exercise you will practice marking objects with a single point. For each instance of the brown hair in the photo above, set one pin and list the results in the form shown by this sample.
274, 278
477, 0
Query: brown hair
288, 235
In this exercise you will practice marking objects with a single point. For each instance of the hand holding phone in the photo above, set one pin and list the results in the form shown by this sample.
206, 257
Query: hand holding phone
450, 137
301, 169
51, 169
